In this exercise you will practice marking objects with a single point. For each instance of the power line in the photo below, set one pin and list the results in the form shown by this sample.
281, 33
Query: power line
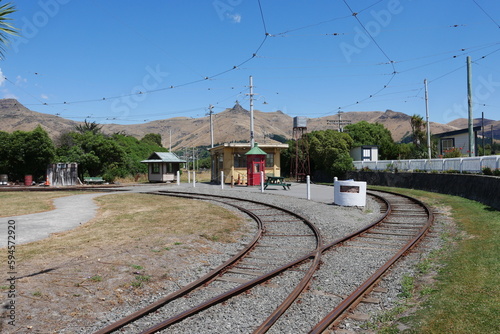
488, 15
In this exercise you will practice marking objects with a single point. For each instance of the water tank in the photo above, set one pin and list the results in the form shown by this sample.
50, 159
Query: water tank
300, 122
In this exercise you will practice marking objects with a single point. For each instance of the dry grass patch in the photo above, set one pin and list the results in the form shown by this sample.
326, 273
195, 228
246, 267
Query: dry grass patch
18, 203
140, 220
137, 246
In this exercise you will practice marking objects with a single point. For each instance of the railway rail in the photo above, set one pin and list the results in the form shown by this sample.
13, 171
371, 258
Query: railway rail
284, 260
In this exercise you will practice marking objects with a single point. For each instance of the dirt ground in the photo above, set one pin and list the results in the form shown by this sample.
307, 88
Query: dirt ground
69, 280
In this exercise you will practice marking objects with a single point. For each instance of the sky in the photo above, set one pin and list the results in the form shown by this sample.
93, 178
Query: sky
132, 62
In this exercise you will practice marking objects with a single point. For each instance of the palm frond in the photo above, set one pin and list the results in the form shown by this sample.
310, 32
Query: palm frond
6, 28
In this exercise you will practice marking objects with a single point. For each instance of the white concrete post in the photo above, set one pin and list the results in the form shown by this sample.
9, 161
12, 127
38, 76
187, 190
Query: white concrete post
194, 179
308, 182
178, 178
261, 182
222, 179
335, 179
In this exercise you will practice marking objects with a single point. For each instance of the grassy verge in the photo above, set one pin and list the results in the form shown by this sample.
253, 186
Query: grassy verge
18, 203
466, 295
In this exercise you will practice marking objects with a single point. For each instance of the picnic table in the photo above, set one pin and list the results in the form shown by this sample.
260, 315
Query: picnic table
93, 179
276, 181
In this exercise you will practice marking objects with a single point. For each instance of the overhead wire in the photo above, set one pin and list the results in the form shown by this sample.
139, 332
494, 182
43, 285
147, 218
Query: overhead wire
486, 13
204, 78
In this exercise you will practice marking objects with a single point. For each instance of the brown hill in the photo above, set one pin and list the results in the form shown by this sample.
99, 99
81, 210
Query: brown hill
463, 123
397, 123
230, 125
14, 116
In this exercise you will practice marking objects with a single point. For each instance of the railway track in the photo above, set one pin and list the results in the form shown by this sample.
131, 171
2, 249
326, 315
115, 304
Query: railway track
277, 273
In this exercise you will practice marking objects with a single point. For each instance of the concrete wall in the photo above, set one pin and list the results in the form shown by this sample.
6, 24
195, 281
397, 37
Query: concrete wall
481, 188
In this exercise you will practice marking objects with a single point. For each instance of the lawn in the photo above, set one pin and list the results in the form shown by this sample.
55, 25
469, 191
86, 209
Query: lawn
466, 296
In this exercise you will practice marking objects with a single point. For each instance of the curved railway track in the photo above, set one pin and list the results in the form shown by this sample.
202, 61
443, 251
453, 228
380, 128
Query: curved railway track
283, 259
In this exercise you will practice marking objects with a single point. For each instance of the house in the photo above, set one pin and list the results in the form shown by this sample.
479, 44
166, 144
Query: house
458, 139
163, 166
364, 153
231, 159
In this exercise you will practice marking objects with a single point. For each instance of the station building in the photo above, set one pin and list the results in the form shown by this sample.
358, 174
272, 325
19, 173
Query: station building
163, 166
231, 158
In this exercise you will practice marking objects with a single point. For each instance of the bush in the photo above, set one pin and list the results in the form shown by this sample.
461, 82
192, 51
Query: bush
487, 171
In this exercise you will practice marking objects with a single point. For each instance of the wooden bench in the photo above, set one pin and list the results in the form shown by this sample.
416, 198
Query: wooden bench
276, 181
93, 180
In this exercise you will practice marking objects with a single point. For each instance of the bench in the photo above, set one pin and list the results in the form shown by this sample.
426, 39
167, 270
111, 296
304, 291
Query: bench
93, 180
276, 181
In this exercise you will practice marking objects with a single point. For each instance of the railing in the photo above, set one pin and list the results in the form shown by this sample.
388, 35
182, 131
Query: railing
471, 164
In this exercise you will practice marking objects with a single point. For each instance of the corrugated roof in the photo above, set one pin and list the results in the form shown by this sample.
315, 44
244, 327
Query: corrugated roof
163, 157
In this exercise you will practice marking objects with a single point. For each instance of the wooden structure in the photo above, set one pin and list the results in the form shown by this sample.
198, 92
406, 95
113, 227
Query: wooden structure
256, 163
163, 166
230, 158
62, 174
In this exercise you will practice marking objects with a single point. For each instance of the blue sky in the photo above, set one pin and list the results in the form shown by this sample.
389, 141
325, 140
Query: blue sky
133, 62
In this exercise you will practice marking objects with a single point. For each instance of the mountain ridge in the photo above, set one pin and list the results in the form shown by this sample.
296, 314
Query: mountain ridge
230, 125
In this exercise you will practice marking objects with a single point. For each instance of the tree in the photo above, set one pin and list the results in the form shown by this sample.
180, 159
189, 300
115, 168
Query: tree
152, 138
94, 152
418, 129
329, 152
5, 27
364, 133
418, 137
88, 127
26, 153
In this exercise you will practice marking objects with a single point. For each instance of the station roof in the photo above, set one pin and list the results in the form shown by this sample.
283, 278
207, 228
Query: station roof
163, 157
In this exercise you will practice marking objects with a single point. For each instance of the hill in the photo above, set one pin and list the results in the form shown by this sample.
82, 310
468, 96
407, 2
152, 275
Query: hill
489, 124
230, 125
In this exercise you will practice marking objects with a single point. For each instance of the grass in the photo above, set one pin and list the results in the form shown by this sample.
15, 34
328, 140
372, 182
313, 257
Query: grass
139, 219
96, 278
18, 203
466, 297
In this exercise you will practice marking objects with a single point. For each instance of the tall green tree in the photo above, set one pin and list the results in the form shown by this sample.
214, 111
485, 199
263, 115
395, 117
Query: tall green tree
5, 27
364, 133
152, 138
26, 153
329, 152
95, 153
418, 137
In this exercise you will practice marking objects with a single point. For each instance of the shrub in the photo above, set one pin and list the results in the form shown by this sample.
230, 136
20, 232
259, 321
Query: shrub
487, 171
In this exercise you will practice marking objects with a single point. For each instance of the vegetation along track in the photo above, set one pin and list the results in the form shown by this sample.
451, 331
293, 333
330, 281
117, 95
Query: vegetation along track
270, 277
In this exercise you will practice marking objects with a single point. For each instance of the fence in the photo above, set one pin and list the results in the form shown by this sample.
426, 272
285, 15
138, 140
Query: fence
471, 164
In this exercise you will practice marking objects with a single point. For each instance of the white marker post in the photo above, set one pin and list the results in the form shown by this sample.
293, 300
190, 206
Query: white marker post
194, 179
261, 182
308, 182
222, 179
178, 178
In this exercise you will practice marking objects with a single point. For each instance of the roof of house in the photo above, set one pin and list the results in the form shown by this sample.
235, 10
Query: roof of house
456, 132
163, 157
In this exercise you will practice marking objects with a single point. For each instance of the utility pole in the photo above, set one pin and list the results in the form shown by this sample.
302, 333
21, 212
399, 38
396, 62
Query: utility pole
170, 140
339, 122
211, 127
482, 130
252, 139
429, 153
472, 145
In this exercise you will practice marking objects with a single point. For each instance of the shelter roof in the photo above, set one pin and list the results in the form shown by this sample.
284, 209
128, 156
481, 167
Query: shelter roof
163, 157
